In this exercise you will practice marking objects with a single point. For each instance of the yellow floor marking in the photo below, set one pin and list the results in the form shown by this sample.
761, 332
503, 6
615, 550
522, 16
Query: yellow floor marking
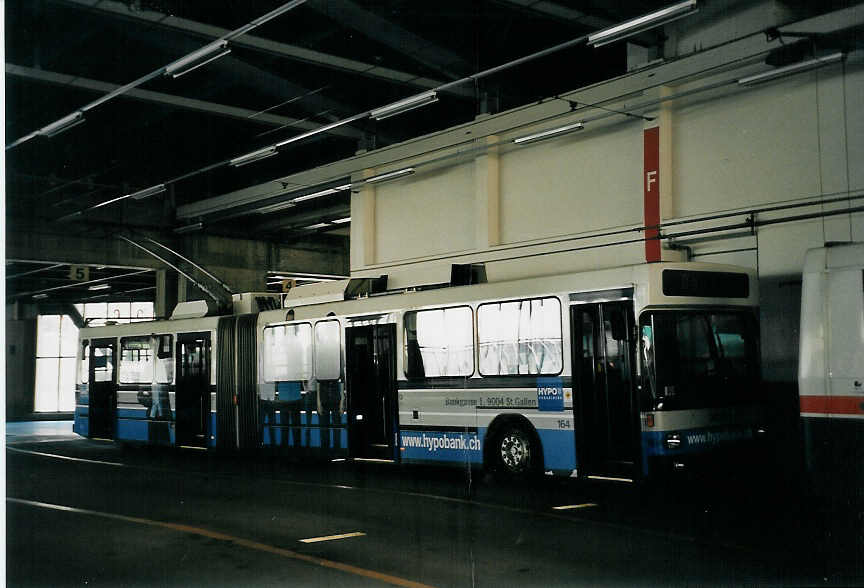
573, 506
333, 537
319, 561
611, 479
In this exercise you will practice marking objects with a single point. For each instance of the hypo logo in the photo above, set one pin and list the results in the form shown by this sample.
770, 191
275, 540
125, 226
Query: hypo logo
550, 394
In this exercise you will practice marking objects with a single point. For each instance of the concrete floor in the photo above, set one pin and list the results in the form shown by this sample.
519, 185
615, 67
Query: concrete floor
82, 512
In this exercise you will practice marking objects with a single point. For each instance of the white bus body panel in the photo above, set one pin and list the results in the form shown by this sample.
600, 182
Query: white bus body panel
831, 366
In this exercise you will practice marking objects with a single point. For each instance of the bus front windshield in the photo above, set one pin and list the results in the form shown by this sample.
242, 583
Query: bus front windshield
698, 358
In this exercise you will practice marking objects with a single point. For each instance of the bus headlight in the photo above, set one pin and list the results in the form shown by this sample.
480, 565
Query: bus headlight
673, 441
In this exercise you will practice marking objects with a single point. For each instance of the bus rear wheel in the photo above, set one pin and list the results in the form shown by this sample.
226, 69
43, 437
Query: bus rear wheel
514, 452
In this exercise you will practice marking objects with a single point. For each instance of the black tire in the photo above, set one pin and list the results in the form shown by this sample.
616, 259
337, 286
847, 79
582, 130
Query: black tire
515, 452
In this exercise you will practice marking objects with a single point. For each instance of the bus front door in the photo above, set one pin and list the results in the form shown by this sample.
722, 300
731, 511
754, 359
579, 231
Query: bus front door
605, 407
371, 387
102, 389
192, 398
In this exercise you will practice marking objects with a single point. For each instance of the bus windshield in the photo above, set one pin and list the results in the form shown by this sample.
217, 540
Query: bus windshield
698, 358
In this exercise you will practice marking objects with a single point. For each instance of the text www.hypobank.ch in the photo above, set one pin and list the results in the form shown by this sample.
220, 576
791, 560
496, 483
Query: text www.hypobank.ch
441, 441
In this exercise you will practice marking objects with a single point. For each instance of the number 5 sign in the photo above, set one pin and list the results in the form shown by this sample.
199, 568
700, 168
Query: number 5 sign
79, 273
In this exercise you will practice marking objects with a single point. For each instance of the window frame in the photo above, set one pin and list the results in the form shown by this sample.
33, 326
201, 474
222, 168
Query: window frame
311, 347
315, 350
58, 358
507, 301
120, 360
474, 346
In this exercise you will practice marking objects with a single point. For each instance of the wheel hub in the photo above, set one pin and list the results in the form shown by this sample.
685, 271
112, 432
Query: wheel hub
514, 451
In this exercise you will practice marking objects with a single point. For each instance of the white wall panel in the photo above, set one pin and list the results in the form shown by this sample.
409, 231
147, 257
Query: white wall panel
425, 214
854, 97
572, 184
747, 147
782, 247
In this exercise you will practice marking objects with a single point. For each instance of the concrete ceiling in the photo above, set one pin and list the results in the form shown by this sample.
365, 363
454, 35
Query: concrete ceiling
323, 61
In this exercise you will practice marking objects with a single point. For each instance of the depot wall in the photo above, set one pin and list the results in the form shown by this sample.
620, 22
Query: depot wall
727, 149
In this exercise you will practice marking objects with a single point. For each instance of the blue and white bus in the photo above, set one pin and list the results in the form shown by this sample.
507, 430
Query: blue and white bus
616, 373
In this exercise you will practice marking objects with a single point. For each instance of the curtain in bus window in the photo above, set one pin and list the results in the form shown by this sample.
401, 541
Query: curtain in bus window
288, 353
439, 342
520, 337
136, 361
328, 362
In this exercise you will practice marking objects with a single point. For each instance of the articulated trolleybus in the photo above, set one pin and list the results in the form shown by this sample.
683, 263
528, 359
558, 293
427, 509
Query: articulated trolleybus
617, 373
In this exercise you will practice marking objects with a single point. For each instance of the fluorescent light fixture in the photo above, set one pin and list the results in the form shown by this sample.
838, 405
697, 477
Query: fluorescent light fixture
578, 126
341, 221
196, 59
275, 207
390, 175
321, 193
64, 124
405, 105
642, 23
99, 287
317, 226
39, 296
254, 156
574, 506
189, 228
790, 69
147, 192
293, 201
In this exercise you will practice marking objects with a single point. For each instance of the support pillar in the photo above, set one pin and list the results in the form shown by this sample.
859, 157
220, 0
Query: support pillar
166, 293
363, 224
487, 196
658, 179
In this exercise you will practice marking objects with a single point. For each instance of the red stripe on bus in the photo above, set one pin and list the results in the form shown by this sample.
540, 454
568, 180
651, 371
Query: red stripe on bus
833, 404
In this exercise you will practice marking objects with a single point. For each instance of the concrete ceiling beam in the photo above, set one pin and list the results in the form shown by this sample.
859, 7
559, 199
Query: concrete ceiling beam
176, 101
265, 45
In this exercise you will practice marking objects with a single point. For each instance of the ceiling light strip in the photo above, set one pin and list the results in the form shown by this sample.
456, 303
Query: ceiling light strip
64, 124
405, 105
390, 175
791, 69
642, 23
147, 192
254, 156
176, 74
275, 207
556, 132
291, 202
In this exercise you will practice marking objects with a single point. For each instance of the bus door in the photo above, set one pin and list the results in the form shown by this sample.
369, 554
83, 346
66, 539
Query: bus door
192, 398
103, 388
371, 381
605, 408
